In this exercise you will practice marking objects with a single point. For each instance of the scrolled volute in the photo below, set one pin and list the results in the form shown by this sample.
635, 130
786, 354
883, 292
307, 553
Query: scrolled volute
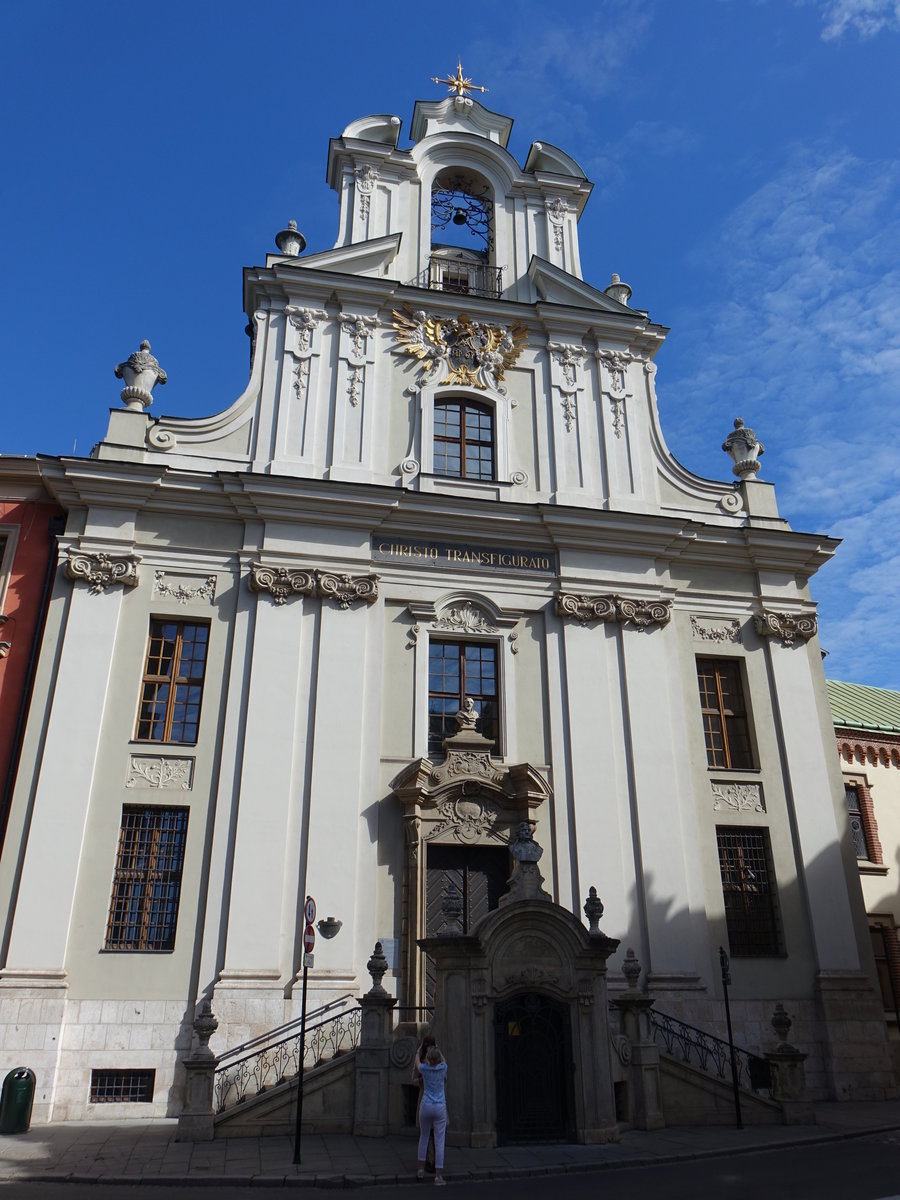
100, 570
281, 582
787, 627
347, 588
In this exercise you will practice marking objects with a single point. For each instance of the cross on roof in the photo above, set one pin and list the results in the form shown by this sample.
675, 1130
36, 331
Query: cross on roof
459, 83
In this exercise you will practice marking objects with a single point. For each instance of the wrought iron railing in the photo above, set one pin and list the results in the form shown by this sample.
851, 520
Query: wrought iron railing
281, 1031
709, 1053
273, 1063
462, 277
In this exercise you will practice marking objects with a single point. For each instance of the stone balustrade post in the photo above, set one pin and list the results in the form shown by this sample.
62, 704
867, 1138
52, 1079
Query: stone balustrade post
788, 1074
634, 1005
196, 1121
371, 1113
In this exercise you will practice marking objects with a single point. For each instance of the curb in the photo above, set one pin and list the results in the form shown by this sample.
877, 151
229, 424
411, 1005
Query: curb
350, 1180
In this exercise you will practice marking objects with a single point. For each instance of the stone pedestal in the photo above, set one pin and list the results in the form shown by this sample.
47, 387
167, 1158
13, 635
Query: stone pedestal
646, 1111
371, 1110
788, 1074
196, 1121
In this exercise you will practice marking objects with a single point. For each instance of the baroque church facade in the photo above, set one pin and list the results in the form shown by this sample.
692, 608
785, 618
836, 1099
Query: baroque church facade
443, 508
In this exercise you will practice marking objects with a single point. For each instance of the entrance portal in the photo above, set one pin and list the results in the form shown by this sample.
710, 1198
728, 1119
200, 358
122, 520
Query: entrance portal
532, 1039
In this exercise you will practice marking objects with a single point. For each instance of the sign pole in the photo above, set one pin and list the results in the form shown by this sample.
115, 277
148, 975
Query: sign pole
309, 941
300, 1071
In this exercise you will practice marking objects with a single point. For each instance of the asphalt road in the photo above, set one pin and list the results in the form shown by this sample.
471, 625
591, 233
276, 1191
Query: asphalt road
854, 1169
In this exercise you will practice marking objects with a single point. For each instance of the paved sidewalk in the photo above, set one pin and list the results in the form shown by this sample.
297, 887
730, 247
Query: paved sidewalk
146, 1152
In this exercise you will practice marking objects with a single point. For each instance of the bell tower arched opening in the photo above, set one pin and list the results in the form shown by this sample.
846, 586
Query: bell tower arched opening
462, 234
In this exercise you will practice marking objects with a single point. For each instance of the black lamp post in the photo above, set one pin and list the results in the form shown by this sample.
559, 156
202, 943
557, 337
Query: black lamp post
726, 980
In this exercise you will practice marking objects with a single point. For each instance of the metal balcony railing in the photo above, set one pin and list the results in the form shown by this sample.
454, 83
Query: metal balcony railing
463, 278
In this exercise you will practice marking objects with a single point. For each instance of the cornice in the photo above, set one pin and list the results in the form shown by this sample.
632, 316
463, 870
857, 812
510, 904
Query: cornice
383, 509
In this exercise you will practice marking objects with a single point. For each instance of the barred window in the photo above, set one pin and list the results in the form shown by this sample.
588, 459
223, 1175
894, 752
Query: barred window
172, 686
463, 439
725, 723
146, 888
748, 885
122, 1087
457, 670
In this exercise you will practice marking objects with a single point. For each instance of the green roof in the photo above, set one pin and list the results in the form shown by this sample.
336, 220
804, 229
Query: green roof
855, 706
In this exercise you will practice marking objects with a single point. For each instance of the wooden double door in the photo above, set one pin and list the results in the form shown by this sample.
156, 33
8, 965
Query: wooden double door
478, 874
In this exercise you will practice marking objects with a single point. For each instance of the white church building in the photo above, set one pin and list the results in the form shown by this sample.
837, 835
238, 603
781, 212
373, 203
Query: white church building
444, 490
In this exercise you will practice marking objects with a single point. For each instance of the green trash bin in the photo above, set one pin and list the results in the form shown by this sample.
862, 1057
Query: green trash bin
16, 1100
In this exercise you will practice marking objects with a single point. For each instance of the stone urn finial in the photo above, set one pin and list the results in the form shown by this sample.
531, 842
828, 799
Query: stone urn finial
781, 1023
593, 910
377, 966
205, 1025
290, 241
141, 372
631, 969
744, 447
618, 290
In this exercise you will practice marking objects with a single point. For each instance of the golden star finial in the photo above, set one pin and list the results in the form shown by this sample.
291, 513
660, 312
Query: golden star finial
459, 83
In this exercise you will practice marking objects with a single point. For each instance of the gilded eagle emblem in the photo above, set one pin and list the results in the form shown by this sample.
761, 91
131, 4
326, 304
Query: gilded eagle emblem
472, 353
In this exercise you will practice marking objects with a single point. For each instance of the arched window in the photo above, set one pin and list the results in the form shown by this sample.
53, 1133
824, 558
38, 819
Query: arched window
463, 439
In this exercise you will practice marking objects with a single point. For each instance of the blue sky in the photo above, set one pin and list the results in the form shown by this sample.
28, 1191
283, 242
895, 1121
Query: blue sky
745, 161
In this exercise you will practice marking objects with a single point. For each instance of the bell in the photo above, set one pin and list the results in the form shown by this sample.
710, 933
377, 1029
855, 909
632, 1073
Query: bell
460, 217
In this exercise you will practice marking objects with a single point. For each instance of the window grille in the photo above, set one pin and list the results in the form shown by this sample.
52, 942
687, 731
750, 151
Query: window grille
143, 911
726, 727
172, 686
748, 885
122, 1087
457, 670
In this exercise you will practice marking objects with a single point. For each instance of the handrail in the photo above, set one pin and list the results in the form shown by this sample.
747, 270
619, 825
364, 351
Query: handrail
278, 1061
269, 1034
703, 1049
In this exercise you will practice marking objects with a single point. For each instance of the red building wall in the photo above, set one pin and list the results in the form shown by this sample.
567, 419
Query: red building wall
30, 523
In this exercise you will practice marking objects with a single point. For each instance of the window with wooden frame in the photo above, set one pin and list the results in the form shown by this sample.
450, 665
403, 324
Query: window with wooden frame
146, 890
748, 886
463, 439
726, 726
172, 686
457, 670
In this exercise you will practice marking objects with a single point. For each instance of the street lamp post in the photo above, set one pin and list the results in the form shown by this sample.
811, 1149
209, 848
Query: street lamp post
726, 980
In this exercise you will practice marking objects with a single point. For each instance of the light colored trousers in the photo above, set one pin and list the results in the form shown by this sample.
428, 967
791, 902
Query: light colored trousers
432, 1115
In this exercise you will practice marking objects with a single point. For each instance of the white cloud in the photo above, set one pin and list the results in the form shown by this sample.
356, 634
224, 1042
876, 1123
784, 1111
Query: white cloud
803, 342
866, 18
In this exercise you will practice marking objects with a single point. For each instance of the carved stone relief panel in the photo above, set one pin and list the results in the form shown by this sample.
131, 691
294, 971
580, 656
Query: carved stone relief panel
716, 631
154, 771
567, 360
738, 797
184, 588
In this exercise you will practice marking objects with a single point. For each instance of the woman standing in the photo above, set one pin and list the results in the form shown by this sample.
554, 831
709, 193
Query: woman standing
433, 1112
